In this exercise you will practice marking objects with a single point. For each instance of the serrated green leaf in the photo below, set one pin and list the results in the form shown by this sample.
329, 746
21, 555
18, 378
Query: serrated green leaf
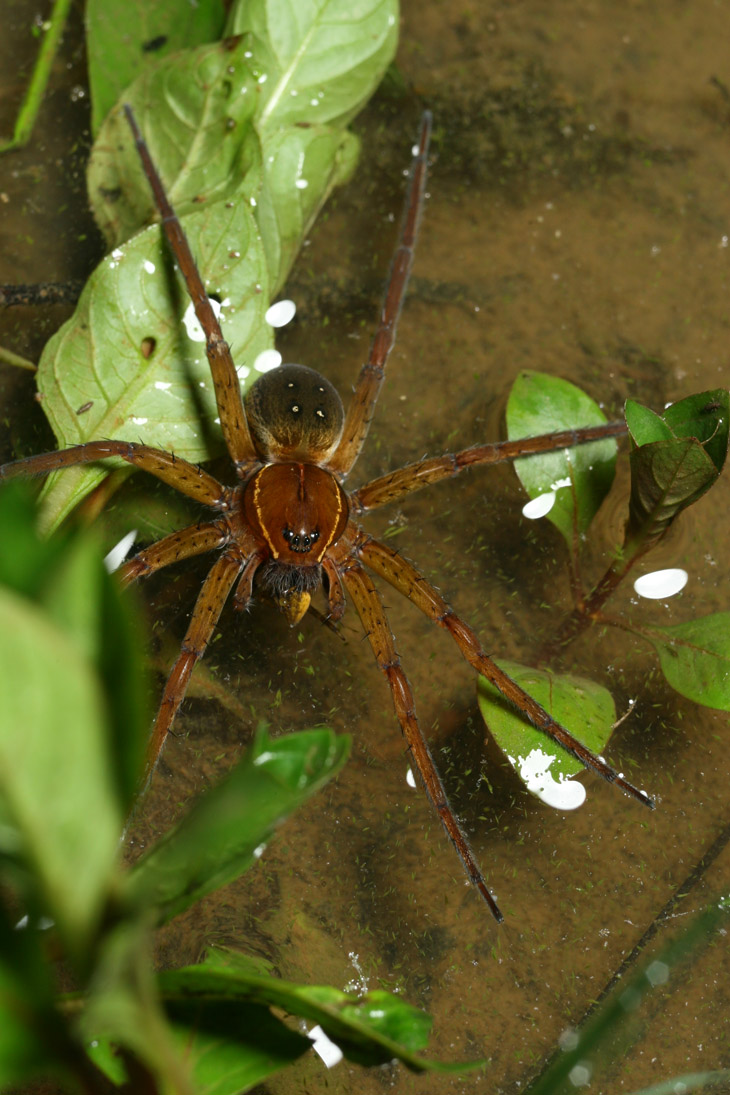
225, 831
370, 1029
102, 354
578, 478
585, 708
125, 36
321, 55
195, 111
301, 167
54, 768
695, 658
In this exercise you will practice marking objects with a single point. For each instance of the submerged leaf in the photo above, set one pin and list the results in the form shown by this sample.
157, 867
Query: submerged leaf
675, 459
125, 36
195, 111
572, 482
315, 55
695, 658
585, 708
127, 351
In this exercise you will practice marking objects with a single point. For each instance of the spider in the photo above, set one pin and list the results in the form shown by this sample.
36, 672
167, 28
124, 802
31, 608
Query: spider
289, 525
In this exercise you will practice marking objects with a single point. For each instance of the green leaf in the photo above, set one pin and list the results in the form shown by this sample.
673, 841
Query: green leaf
371, 1029
578, 478
585, 708
315, 55
55, 780
695, 658
195, 111
125, 36
126, 349
226, 830
301, 167
668, 474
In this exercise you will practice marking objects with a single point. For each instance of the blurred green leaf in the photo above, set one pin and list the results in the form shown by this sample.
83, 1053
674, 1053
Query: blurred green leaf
668, 474
195, 111
695, 658
128, 355
371, 1029
578, 478
125, 36
315, 60
585, 708
227, 828
55, 778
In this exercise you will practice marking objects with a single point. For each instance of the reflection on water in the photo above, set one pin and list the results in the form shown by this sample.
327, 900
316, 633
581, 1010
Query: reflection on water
579, 198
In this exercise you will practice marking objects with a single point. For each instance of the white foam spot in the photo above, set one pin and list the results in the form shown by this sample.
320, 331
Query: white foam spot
540, 506
661, 583
267, 360
118, 553
163, 385
194, 331
410, 778
301, 184
117, 253
243, 372
325, 1048
281, 313
534, 771
149, 266
140, 421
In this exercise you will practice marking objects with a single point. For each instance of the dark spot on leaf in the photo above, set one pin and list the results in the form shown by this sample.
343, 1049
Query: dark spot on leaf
147, 347
85, 407
154, 44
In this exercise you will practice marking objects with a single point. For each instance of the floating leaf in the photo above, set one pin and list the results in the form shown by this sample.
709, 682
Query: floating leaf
301, 166
195, 111
321, 56
669, 473
585, 708
124, 36
578, 479
695, 658
127, 354
227, 828
371, 1029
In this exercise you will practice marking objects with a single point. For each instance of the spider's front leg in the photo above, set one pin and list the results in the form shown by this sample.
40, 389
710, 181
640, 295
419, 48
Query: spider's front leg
372, 614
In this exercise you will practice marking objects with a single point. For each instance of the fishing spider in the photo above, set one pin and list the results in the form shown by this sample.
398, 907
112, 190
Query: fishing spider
289, 525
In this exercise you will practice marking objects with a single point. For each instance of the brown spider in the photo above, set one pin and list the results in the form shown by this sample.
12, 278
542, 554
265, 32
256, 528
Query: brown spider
291, 526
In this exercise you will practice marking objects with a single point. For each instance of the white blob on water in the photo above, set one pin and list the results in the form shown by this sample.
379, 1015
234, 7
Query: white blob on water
325, 1048
140, 421
281, 313
194, 331
410, 778
149, 266
540, 506
534, 771
661, 583
301, 184
267, 360
118, 553
163, 385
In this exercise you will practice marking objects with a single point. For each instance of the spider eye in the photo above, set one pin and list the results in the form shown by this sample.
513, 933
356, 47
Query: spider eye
300, 541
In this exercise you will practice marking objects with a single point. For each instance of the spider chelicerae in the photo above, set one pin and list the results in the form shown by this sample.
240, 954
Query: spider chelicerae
289, 526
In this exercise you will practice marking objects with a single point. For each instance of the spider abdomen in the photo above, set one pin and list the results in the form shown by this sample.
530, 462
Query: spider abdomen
294, 413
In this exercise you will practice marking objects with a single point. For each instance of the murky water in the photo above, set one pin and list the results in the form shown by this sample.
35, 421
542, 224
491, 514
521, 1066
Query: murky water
578, 223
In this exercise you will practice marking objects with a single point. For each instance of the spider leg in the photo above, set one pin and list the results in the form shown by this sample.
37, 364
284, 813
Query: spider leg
189, 479
362, 406
336, 594
225, 378
206, 613
401, 574
391, 487
193, 540
374, 621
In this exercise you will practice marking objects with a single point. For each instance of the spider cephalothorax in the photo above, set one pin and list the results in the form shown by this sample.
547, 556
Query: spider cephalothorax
289, 520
